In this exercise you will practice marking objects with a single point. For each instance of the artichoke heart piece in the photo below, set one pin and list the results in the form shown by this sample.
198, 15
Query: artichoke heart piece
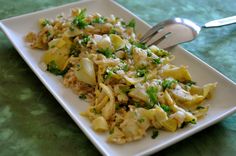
170, 124
139, 93
110, 107
178, 73
157, 116
86, 73
133, 80
100, 124
58, 52
117, 41
186, 98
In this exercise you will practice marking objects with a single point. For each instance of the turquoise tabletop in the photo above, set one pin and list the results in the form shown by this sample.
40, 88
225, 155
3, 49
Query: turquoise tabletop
32, 122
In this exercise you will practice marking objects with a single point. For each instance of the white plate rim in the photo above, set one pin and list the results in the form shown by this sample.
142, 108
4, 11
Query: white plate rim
96, 143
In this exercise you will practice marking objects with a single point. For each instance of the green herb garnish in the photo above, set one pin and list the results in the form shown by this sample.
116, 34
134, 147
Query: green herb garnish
165, 108
140, 45
125, 68
149, 105
137, 104
117, 106
82, 96
189, 83
85, 39
123, 23
45, 22
157, 60
108, 74
79, 20
95, 111
161, 53
127, 50
125, 89
71, 28
106, 52
113, 31
152, 93
74, 51
193, 121
149, 53
131, 24
48, 34
100, 20
59, 16
168, 83
200, 107
141, 72
184, 124
111, 131
53, 68
155, 134
141, 120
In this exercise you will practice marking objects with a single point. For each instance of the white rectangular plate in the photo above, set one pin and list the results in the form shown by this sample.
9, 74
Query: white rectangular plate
222, 104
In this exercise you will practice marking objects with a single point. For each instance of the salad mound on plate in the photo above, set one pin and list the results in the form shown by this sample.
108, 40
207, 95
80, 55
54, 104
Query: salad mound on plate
130, 87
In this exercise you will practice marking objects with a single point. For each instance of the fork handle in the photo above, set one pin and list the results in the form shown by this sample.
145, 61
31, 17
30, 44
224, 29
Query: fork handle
220, 22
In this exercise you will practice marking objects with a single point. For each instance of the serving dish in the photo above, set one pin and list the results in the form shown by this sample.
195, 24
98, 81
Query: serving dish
17, 27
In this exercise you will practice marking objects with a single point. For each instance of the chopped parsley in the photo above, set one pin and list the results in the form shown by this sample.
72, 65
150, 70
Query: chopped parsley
165, 108
200, 107
123, 23
141, 120
100, 20
79, 20
45, 22
108, 74
149, 53
149, 105
162, 53
127, 50
85, 39
95, 111
74, 51
59, 16
82, 96
131, 24
184, 124
189, 83
117, 106
113, 31
124, 89
53, 68
137, 104
106, 52
125, 68
140, 45
48, 34
53, 46
111, 131
157, 60
141, 72
152, 93
155, 133
168, 83
71, 28
193, 121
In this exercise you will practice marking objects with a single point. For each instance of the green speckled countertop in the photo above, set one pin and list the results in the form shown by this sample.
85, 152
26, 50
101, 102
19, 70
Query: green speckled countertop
32, 123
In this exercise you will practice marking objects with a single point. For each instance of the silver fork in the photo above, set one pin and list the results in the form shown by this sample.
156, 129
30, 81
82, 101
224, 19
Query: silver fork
171, 32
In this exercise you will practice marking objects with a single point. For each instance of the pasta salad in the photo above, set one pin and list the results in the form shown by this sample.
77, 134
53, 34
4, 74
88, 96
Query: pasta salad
130, 87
